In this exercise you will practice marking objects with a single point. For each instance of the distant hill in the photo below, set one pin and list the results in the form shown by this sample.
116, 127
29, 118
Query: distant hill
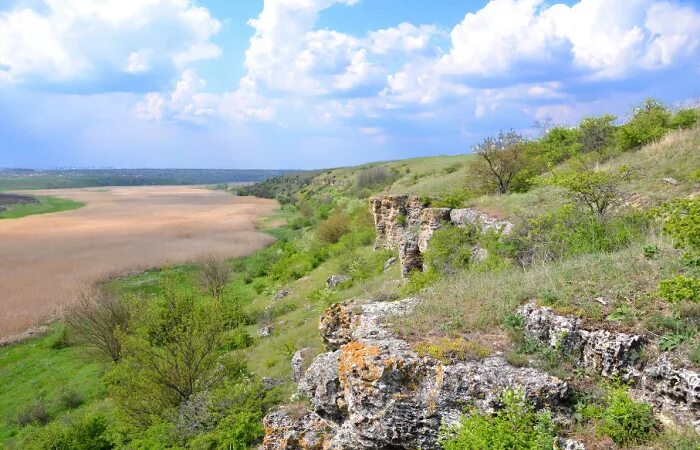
14, 179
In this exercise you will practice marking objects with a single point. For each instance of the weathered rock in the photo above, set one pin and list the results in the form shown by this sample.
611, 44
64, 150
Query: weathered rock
389, 262
281, 294
471, 216
479, 254
270, 383
336, 280
409, 253
299, 363
289, 430
379, 394
606, 353
386, 211
673, 390
265, 331
671, 181
431, 219
569, 444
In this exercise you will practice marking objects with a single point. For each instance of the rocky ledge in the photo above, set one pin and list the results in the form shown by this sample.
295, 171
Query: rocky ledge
403, 222
370, 390
674, 391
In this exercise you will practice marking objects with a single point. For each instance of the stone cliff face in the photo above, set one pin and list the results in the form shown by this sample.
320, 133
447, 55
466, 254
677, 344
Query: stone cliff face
674, 391
371, 391
403, 223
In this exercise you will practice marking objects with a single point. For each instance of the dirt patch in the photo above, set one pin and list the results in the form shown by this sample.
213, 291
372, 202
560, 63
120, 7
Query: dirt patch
45, 259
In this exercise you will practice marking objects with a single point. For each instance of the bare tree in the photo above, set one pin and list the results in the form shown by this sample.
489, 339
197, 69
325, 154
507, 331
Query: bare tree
501, 158
214, 274
96, 319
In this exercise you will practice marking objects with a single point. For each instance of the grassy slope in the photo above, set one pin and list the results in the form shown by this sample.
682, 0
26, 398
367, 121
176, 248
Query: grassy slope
46, 205
467, 304
34, 370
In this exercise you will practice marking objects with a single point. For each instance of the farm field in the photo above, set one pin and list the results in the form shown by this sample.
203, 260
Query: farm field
45, 260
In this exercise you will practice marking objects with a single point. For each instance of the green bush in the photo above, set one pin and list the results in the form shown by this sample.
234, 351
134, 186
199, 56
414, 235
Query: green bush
679, 289
681, 219
454, 200
418, 280
650, 121
35, 412
450, 249
622, 419
331, 230
597, 133
515, 426
85, 433
685, 118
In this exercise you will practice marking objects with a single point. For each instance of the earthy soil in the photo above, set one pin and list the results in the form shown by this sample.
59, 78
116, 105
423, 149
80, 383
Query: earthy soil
46, 259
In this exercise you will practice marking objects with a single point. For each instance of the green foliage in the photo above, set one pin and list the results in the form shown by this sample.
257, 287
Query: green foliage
671, 341
568, 232
419, 280
681, 219
43, 206
679, 289
597, 133
649, 122
499, 161
621, 418
453, 200
88, 432
515, 426
597, 190
685, 118
450, 249
335, 227
558, 145
35, 412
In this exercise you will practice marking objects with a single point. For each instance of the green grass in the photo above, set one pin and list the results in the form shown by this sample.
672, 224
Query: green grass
34, 370
46, 205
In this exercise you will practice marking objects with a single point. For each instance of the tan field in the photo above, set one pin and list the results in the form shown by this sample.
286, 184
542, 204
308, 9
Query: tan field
46, 259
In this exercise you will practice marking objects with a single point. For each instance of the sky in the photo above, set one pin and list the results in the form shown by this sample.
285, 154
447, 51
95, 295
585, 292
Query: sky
321, 83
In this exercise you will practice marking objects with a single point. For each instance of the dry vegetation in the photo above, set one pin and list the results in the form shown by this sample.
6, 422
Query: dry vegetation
44, 260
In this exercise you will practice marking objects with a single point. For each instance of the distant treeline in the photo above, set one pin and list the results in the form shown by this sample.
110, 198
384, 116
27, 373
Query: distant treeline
11, 179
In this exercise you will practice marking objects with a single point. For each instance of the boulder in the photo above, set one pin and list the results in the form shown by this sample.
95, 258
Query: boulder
485, 222
389, 262
281, 294
265, 331
336, 280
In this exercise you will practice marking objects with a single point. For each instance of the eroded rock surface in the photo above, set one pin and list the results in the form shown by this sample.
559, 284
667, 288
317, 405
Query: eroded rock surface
403, 223
606, 353
371, 391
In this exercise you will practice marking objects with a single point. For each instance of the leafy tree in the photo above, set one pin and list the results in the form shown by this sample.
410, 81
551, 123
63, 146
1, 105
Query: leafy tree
172, 354
685, 118
597, 132
649, 123
500, 160
558, 145
597, 190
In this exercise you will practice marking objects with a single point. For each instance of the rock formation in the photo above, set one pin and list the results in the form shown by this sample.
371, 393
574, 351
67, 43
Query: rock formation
370, 390
403, 223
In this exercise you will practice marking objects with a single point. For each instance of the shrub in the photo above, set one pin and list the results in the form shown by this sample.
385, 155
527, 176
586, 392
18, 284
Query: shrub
214, 274
61, 339
97, 319
596, 190
85, 433
649, 122
679, 289
71, 399
499, 160
448, 349
597, 133
685, 118
418, 280
331, 230
681, 219
35, 412
515, 426
374, 176
454, 200
621, 418
558, 145
450, 249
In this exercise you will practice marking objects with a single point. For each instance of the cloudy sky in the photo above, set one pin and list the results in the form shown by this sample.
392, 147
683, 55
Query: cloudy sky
319, 83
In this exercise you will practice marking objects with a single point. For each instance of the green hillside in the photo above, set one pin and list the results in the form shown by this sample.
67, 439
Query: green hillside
633, 267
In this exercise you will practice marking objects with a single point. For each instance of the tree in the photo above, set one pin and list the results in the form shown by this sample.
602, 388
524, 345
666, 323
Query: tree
214, 274
597, 132
97, 319
597, 190
500, 160
171, 355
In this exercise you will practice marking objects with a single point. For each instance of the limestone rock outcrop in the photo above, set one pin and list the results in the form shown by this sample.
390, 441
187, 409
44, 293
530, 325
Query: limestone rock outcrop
403, 223
603, 352
371, 391
674, 391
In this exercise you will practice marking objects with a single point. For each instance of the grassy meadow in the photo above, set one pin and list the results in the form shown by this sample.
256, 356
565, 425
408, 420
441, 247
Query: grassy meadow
45, 205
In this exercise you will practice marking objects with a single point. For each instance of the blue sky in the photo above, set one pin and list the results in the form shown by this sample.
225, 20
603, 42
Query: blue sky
321, 83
